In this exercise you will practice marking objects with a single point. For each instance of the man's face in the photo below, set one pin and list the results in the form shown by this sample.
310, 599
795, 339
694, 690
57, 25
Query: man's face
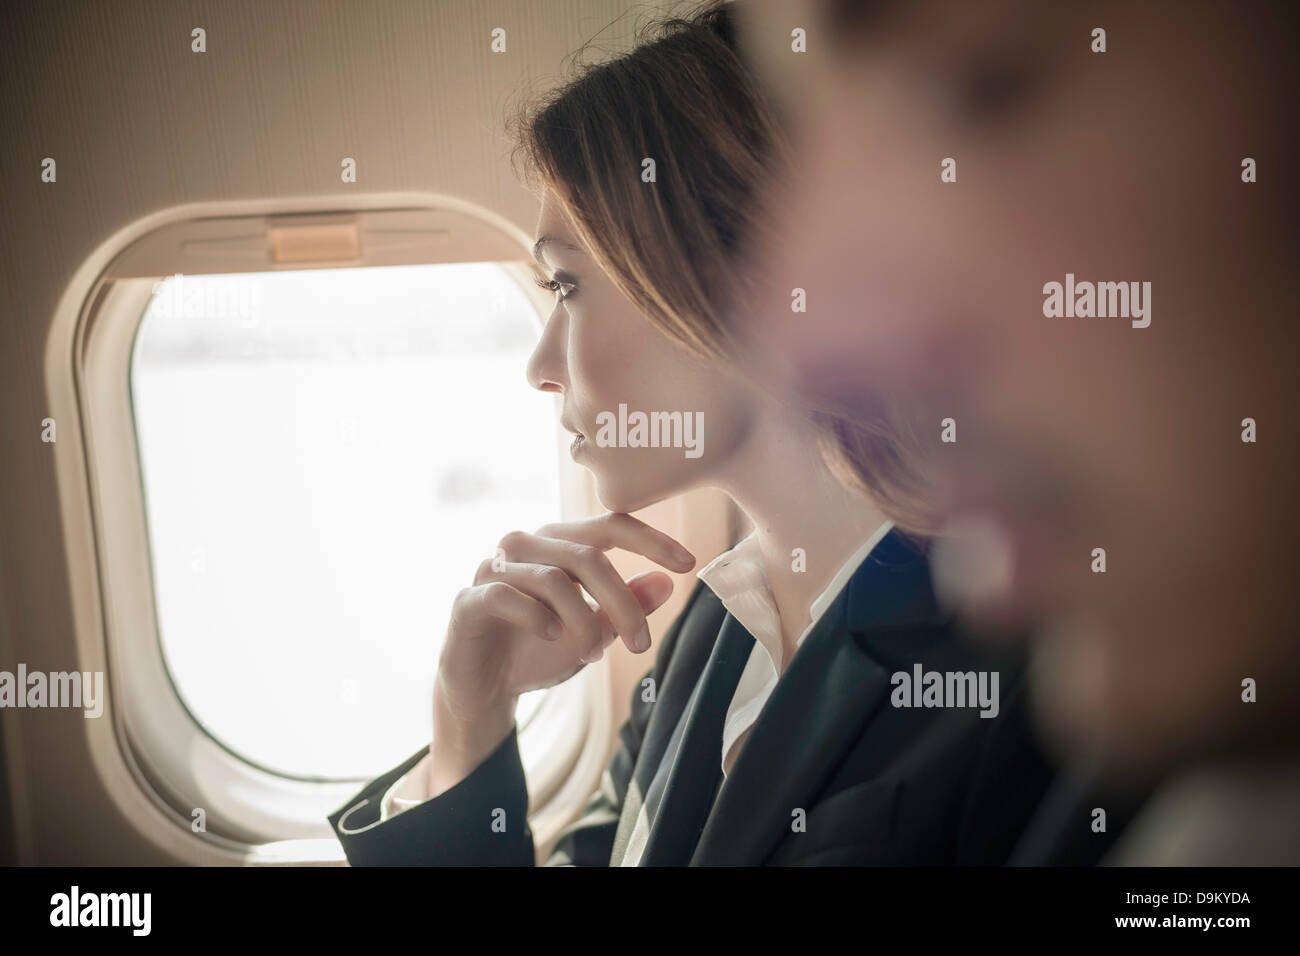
1072, 434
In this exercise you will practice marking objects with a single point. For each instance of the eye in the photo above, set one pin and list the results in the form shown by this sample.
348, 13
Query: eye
563, 289
994, 88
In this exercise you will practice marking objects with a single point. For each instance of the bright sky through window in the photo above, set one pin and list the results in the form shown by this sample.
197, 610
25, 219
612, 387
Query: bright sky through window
326, 456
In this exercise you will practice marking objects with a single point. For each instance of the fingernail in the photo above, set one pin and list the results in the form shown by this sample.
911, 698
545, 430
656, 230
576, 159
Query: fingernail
641, 642
554, 631
595, 654
685, 556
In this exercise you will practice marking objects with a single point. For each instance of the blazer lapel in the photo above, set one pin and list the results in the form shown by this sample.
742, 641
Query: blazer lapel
819, 708
683, 795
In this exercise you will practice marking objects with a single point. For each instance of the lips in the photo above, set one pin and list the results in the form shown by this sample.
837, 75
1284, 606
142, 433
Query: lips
579, 439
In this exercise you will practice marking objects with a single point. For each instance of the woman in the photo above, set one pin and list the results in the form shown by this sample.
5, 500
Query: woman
779, 724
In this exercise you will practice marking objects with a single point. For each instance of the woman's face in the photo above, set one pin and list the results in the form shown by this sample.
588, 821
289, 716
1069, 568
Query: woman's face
600, 352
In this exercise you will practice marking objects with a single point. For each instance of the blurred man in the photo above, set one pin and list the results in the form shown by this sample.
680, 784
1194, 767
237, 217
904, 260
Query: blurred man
1067, 232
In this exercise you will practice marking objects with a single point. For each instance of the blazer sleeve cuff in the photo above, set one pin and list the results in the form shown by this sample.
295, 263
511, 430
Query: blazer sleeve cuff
481, 821
409, 791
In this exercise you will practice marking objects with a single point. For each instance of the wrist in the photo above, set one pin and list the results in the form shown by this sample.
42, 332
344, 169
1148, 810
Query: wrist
460, 745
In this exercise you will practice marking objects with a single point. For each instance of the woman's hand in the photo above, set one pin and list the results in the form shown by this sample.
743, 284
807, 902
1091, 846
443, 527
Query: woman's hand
525, 624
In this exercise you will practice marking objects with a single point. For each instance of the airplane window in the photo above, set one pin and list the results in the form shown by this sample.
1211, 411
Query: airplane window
326, 457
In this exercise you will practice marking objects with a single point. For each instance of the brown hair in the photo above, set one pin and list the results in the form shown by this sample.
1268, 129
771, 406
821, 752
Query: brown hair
684, 97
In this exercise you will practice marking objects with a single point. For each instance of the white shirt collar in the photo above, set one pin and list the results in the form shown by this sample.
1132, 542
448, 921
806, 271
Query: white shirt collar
738, 579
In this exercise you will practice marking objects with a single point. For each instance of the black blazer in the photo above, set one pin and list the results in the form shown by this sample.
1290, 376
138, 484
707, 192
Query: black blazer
877, 784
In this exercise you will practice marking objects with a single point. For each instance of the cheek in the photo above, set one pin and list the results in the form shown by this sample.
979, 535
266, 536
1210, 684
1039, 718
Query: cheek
599, 359
617, 356
593, 377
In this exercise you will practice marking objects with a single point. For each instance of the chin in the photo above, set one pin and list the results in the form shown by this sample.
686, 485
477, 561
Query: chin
624, 500
1121, 729
1070, 691
624, 493
627, 483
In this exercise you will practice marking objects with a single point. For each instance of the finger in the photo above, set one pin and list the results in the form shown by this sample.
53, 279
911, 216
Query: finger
651, 589
615, 530
554, 588
501, 602
589, 567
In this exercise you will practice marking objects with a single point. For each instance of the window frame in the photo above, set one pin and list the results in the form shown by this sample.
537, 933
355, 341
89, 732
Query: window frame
152, 757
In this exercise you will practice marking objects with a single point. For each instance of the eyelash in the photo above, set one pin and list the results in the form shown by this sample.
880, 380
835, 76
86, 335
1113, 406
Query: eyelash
554, 285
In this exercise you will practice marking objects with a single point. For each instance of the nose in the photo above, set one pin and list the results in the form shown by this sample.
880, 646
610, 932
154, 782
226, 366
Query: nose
546, 366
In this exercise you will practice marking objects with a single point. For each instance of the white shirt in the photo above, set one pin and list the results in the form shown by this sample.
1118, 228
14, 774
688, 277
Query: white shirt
738, 579
740, 583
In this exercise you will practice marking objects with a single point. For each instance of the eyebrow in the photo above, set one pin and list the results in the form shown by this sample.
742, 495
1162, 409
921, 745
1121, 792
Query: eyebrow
537, 246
